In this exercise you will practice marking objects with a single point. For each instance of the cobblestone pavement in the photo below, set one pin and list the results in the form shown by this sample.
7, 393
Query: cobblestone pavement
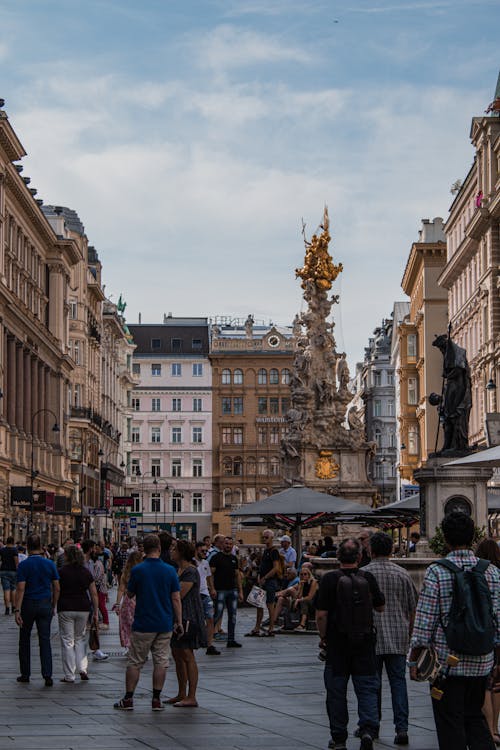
269, 693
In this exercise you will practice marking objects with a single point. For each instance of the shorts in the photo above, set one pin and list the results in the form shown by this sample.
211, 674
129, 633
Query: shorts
271, 587
142, 643
9, 580
208, 606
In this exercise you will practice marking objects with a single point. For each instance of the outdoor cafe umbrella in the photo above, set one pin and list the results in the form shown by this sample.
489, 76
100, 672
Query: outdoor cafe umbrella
299, 507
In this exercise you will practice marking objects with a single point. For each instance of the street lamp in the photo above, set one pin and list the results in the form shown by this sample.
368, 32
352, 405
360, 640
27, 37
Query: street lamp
33, 473
382, 467
155, 482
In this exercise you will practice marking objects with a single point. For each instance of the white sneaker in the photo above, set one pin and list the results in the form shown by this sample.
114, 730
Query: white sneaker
100, 655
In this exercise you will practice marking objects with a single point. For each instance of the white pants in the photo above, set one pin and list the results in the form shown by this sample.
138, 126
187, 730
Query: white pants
72, 627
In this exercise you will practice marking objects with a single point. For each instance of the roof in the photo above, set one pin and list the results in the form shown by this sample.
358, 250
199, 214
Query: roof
71, 218
169, 338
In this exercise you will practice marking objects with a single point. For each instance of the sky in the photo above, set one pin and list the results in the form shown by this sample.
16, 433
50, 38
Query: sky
192, 137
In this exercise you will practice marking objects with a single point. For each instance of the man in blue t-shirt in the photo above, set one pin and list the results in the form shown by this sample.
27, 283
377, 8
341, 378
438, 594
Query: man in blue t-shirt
36, 599
158, 612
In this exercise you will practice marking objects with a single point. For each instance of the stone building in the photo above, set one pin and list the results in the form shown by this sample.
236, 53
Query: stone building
170, 463
420, 368
471, 275
251, 372
378, 394
35, 371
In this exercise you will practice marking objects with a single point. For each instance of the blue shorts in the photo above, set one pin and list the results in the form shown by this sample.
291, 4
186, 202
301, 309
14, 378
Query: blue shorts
208, 606
9, 580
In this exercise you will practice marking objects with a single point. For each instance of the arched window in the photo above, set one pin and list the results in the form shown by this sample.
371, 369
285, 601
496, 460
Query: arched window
226, 377
262, 467
251, 467
227, 467
286, 376
237, 498
227, 498
238, 377
274, 377
274, 466
262, 377
237, 466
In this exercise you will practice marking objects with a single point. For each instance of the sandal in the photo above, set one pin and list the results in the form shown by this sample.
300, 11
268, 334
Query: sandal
173, 701
268, 634
185, 704
253, 634
300, 629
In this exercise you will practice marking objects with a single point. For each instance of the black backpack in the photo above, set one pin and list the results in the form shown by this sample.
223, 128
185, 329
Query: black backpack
354, 605
471, 621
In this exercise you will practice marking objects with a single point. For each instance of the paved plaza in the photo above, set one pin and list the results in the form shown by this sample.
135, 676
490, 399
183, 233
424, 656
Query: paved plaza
267, 694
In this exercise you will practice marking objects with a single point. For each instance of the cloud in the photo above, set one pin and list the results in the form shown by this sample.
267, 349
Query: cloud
4, 51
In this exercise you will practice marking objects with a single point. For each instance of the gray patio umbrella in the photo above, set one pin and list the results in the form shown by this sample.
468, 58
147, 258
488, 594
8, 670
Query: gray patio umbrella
488, 457
298, 507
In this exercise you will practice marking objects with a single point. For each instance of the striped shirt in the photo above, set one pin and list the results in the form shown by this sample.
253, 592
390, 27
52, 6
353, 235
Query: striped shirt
433, 608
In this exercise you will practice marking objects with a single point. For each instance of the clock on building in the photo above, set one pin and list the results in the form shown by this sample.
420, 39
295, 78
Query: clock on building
273, 341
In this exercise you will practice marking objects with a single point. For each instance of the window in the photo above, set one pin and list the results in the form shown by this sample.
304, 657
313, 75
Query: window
137, 502
286, 376
262, 435
411, 344
226, 377
176, 369
197, 500
197, 369
238, 405
227, 466
226, 435
392, 439
390, 378
156, 370
136, 404
197, 404
251, 467
285, 405
377, 378
262, 407
274, 466
378, 437
136, 368
176, 345
238, 377
390, 408
155, 344
73, 309
262, 377
237, 466
226, 406
197, 435
238, 435
77, 395
177, 502
176, 435
136, 435
413, 441
155, 404
274, 377
135, 468
262, 467
274, 436
155, 502
197, 467
196, 344
274, 405
75, 346
155, 435
176, 404
176, 467
155, 467
412, 391
377, 408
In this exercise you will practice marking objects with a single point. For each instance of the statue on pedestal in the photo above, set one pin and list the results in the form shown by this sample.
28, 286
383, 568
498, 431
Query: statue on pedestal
455, 402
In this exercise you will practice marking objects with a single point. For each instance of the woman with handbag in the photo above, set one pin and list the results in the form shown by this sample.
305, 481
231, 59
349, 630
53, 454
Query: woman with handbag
78, 590
125, 605
193, 621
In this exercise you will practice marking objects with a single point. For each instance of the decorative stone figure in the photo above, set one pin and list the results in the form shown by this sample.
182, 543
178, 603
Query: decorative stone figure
456, 401
249, 327
343, 374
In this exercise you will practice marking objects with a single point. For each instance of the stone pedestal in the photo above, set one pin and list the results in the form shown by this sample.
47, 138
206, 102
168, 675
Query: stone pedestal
445, 488
340, 471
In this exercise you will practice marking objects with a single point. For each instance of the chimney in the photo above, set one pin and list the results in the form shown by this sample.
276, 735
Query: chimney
140, 318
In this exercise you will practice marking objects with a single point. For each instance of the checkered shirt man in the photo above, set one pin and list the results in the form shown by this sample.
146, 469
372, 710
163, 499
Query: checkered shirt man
393, 624
434, 604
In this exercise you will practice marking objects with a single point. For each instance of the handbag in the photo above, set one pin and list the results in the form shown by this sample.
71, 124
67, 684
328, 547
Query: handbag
94, 644
257, 597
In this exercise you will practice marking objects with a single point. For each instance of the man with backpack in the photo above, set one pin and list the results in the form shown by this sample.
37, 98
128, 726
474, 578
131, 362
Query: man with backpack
344, 616
457, 614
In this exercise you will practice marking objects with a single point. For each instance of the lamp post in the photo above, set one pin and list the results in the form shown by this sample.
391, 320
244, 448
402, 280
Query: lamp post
167, 488
33, 473
382, 468
155, 482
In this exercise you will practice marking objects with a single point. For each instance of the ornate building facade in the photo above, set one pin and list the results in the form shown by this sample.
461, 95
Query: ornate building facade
251, 374
169, 472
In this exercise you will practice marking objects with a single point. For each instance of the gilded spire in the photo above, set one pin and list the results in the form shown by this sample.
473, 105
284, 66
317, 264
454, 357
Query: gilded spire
318, 264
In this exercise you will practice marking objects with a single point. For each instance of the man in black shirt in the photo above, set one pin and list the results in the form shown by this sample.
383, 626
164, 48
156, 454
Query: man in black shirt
344, 615
8, 576
269, 579
228, 585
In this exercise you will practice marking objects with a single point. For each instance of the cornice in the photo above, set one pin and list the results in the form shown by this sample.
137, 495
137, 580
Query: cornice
9, 141
27, 203
420, 254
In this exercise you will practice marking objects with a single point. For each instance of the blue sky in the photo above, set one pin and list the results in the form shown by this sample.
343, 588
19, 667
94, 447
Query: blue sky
192, 137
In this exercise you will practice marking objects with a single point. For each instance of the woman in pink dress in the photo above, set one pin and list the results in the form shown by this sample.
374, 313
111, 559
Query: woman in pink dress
124, 605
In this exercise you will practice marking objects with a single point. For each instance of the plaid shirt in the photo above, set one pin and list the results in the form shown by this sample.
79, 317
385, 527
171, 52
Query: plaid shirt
393, 624
433, 607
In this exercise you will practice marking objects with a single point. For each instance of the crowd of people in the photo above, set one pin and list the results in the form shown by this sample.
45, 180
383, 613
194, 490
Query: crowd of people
171, 596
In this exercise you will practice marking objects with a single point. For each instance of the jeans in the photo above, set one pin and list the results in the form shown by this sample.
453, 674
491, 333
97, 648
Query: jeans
366, 689
102, 596
37, 611
460, 723
72, 626
395, 665
228, 598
